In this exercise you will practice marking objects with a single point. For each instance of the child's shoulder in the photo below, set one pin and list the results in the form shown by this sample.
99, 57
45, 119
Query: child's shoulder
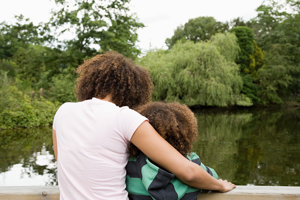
192, 156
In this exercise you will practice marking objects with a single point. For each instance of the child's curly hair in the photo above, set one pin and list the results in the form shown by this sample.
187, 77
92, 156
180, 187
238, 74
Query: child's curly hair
113, 74
175, 122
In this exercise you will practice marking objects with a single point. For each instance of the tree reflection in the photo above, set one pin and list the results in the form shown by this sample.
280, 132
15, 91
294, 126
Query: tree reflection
25, 146
260, 147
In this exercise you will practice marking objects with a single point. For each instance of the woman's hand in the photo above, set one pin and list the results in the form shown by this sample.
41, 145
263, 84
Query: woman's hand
226, 186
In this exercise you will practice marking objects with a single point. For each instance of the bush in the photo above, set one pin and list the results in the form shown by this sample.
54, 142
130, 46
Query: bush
18, 109
63, 86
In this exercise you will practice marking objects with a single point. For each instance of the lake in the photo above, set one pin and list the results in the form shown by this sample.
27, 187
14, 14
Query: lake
245, 146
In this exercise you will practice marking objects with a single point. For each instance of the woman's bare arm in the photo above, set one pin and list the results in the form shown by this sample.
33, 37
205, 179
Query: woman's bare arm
161, 152
54, 143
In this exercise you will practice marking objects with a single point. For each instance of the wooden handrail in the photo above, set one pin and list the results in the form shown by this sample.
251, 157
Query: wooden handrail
240, 193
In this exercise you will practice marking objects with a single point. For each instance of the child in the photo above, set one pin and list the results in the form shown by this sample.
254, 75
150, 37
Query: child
177, 124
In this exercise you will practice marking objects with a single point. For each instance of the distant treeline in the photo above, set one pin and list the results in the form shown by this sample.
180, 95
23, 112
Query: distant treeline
207, 63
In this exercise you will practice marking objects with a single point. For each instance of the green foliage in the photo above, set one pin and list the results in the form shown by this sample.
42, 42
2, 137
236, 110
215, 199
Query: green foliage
62, 89
274, 77
290, 50
266, 25
9, 67
250, 59
245, 40
20, 35
97, 26
236, 22
226, 45
197, 29
33, 61
250, 88
18, 109
257, 60
38, 64
277, 30
294, 4
30, 63
198, 73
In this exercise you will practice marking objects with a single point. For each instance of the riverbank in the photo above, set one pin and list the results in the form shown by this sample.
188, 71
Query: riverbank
289, 105
241, 192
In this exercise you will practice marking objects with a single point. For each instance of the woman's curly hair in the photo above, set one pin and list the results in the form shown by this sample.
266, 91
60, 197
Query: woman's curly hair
175, 122
113, 74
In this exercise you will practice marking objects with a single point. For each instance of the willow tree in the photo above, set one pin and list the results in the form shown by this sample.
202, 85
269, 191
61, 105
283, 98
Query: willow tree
202, 73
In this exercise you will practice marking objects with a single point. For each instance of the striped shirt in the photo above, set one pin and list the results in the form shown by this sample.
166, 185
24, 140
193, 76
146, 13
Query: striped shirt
145, 180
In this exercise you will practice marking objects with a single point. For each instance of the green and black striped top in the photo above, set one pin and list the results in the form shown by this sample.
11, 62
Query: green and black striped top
146, 180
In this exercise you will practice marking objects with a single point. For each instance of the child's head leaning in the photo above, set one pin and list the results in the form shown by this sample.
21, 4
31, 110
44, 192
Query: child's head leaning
113, 74
175, 122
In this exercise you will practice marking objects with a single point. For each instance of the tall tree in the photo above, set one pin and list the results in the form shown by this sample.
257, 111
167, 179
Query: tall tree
250, 60
21, 34
245, 40
274, 77
96, 26
197, 29
277, 31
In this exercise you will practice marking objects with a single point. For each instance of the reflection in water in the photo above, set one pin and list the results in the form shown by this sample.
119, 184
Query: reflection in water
260, 147
27, 157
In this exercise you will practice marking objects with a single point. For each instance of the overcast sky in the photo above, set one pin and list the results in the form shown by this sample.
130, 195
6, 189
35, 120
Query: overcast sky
161, 17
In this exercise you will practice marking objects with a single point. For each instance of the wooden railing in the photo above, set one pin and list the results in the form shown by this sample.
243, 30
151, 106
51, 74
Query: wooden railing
256, 193
240, 193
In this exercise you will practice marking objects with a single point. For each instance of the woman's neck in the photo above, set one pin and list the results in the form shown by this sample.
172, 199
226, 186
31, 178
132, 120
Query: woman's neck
106, 98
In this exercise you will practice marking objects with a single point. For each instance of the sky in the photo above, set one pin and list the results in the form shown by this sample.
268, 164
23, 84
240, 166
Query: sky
160, 17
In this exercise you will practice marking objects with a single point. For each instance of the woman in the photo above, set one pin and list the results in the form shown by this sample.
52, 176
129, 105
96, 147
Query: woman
90, 137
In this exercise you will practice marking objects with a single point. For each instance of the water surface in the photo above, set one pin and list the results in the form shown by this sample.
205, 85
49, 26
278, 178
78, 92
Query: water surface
257, 147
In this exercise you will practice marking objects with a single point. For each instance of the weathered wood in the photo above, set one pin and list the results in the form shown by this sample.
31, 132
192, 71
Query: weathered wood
29, 193
240, 193
257, 193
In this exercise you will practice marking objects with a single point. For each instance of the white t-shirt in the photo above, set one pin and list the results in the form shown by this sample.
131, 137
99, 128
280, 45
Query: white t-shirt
92, 139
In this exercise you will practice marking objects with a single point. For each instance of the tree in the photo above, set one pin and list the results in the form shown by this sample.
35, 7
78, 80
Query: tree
21, 35
202, 73
96, 26
277, 30
245, 40
197, 29
239, 22
30, 63
294, 4
63, 86
265, 25
250, 60
9, 67
19, 109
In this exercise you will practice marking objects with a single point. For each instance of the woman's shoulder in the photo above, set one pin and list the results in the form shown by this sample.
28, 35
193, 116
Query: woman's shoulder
125, 111
68, 105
